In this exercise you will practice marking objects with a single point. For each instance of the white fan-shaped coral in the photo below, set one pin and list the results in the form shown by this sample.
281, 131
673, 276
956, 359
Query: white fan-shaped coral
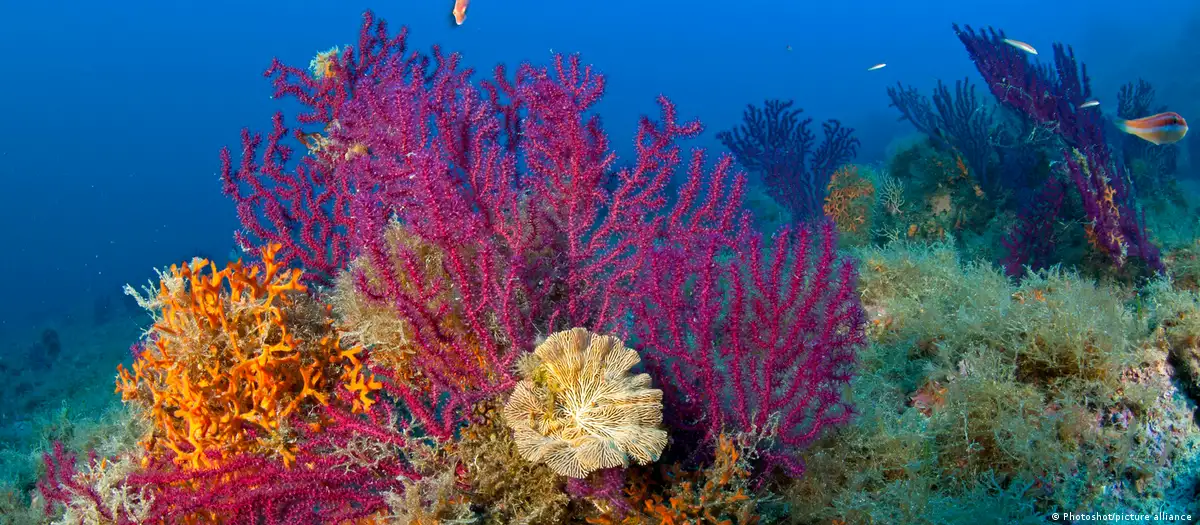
578, 409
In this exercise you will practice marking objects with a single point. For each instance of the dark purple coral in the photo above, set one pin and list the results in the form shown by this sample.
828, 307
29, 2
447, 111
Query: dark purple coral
956, 122
1050, 98
774, 142
1031, 242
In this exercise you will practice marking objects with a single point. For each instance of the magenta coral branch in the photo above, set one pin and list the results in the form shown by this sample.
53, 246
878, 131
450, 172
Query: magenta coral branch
333, 479
304, 208
60, 486
324, 488
765, 343
460, 193
323, 95
251, 489
461, 188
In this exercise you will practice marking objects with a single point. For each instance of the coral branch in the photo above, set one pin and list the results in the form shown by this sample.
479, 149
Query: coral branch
765, 343
1031, 241
774, 142
304, 205
479, 257
960, 123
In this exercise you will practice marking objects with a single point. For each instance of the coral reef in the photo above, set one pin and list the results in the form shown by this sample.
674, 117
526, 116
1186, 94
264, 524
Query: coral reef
455, 223
467, 309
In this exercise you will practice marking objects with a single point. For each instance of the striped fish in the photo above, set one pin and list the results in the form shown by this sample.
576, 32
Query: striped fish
1163, 128
460, 11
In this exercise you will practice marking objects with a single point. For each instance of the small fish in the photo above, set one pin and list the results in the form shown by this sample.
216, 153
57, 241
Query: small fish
1163, 128
880, 65
460, 11
1021, 45
1089, 104
789, 47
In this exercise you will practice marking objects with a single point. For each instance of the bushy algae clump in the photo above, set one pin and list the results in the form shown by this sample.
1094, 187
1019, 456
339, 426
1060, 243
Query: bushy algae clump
983, 397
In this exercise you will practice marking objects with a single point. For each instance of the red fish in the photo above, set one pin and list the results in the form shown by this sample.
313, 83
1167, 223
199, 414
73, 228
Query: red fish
460, 11
1163, 128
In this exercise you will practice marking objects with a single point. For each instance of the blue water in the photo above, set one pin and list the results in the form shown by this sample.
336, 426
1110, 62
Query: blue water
115, 113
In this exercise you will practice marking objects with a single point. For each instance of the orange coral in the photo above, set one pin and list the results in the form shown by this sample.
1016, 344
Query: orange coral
930, 397
848, 198
961, 167
720, 500
1038, 294
1110, 216
718, 495
236, 354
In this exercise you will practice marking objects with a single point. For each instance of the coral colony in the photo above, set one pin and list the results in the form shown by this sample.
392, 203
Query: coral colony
443, 294
1052, 99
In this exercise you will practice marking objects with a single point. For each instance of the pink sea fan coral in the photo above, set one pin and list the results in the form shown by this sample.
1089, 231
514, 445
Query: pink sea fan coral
304, 204
764, 341
513, 185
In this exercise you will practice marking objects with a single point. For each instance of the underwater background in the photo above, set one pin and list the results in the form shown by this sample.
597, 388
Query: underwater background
997, 317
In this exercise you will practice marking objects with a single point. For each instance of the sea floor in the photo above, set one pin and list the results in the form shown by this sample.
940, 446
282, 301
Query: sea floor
68, 397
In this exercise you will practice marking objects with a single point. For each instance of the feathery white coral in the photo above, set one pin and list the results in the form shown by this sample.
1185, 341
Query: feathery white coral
579, 409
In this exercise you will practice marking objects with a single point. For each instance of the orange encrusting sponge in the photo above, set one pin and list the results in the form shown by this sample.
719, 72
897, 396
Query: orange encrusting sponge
236, 356
848, 199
